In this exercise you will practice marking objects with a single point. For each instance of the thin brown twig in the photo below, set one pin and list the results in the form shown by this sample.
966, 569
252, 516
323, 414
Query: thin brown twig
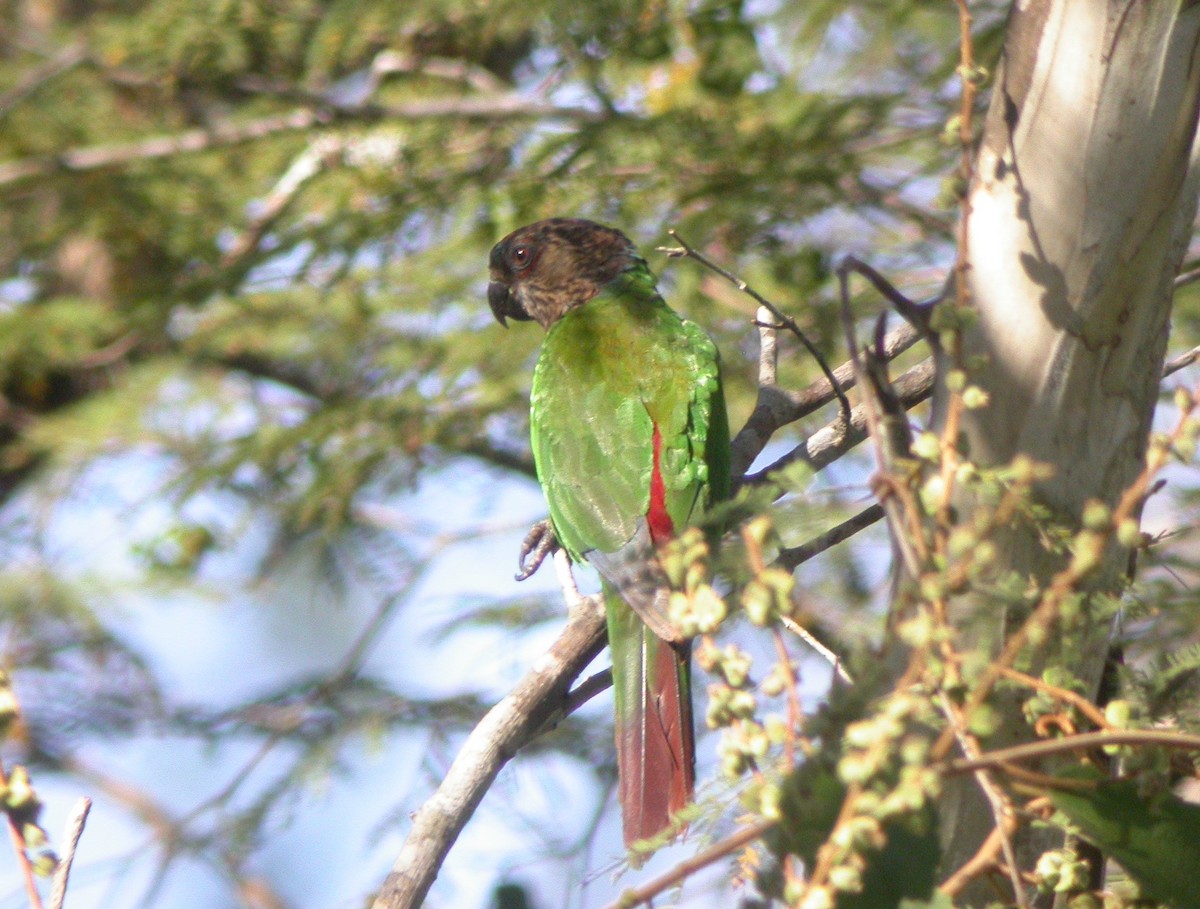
873, 386
794, 556
794, 710
1083, 741
644, 894
812, 641
27, 872
688, 251
962, 293
1002, 810
1078, 701
983, 861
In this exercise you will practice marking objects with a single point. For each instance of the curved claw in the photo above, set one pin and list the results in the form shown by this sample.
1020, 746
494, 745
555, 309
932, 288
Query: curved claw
538, 543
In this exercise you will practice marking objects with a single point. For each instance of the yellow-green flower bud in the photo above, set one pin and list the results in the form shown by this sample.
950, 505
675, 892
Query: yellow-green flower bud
1097, 517
757, 600
770, 800
816, 898
927, 446
707, 608
975, 398
845, 879
1119, 713
1087, 552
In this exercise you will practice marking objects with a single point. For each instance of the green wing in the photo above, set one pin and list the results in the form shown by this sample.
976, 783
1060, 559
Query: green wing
609, 373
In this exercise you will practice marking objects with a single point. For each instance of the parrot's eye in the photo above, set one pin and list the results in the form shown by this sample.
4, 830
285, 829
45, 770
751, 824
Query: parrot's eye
520, 256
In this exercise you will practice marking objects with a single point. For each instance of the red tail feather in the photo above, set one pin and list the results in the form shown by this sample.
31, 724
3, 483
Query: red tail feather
656, 747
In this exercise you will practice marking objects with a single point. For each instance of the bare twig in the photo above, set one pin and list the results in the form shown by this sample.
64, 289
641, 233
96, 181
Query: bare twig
1181, 361
507, 727
1002, 810
788, 322
768, 349
1078, 701
790, 558
1030, 751
983, 860
884, 417
1183, 279
27, 873
776, 407
586, 690
807, 636
75, 824
307, 165
390, 61
914, 313
829, 443
62, 62
103, 157
681, 872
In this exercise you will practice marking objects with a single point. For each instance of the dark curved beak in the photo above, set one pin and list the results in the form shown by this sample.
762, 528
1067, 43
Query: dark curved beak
504, 305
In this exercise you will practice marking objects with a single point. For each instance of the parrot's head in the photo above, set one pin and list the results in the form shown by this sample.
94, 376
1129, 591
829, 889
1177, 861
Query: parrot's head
548, 268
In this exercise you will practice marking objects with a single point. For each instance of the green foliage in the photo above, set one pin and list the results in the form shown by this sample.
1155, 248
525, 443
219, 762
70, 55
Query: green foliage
1155, 837
244, 247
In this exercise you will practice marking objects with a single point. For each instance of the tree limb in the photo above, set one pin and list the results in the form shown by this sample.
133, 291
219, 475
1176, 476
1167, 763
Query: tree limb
536, 700
62, 874
1084, 741
830, 442
776, 407
224, 134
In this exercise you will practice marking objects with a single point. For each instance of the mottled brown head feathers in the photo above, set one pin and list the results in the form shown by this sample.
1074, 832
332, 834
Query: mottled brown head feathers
548, 268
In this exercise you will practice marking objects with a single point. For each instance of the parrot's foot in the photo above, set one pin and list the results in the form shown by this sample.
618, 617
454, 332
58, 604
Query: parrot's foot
538, 543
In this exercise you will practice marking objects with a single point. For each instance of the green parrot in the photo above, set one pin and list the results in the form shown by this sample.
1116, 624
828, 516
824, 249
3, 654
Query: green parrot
631, 443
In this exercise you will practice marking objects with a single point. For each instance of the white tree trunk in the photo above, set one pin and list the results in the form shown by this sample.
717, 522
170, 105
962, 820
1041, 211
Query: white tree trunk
1081, 209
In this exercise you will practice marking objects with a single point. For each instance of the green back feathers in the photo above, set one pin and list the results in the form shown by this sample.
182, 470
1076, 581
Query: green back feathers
609, 371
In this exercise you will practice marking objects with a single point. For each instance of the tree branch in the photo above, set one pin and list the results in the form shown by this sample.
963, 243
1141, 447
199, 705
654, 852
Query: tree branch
536, 700
62, 874
687, 868
226, 133
830, 442
791, 558
776, 407
1084, 741
65, 60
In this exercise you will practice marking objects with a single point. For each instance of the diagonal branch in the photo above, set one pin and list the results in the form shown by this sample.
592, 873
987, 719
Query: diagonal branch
537, 700
776, 407
831, 441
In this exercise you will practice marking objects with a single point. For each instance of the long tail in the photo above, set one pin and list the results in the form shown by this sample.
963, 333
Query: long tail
656, 751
